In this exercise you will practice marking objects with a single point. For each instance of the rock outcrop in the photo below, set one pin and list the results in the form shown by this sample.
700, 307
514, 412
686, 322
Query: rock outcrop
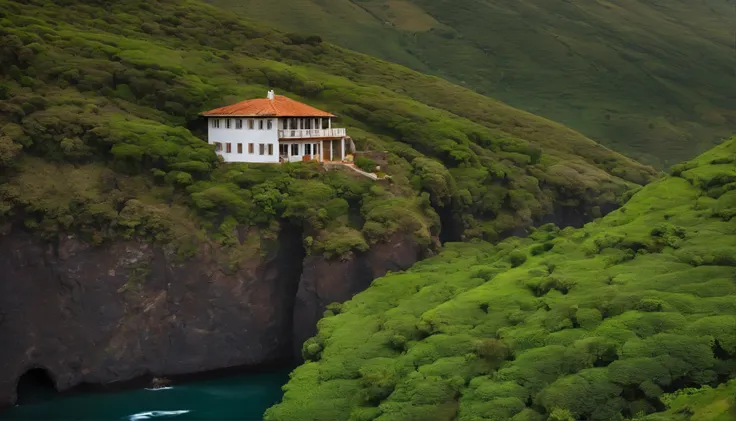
95, 315
329, 281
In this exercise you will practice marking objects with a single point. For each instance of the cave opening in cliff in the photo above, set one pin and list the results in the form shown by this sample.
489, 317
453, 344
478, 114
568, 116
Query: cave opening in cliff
35, 385
450, 230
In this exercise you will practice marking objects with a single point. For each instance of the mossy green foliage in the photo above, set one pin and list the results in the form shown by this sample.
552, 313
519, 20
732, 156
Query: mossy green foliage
365, 164
647, 91
699, 404
599, 323
331, 208
108, 93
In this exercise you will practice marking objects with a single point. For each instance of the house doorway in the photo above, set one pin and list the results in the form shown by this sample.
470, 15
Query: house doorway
326, 150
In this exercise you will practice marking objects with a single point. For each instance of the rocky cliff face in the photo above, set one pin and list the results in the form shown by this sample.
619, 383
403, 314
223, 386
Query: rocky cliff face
324, 282
102, 314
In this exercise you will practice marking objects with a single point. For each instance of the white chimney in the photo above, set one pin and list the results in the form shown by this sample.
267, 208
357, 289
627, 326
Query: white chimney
271, 95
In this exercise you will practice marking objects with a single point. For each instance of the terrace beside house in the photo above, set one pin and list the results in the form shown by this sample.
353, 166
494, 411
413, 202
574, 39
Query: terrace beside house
276, 129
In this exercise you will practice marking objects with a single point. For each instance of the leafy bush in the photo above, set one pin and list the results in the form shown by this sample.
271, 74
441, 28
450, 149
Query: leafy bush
366, 164
492, 350
341, 242
9, 150
517, 258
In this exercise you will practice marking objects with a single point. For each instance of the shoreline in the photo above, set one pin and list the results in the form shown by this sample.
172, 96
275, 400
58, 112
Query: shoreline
146, 381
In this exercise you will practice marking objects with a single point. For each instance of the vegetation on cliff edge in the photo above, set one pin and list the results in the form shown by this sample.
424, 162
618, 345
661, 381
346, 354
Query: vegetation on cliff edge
620, 319
100, 135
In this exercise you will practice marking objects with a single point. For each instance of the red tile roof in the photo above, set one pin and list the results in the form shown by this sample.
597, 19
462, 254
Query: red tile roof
280, 106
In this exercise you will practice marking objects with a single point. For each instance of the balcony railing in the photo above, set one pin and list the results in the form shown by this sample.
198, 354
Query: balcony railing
307, 133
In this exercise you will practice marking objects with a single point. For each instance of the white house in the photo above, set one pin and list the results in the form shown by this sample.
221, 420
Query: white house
275, 129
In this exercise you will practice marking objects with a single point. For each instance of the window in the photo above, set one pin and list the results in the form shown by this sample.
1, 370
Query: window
218, 147
215, 123
270, 149
283, 150
269, 125
260, 124
227, 123
250, 148
228, 147
239, 123
240, 148
308, 149
261, 149
250, 124
294, 149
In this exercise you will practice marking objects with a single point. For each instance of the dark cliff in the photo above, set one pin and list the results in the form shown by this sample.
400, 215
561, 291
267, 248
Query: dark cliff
329, 281
95, 315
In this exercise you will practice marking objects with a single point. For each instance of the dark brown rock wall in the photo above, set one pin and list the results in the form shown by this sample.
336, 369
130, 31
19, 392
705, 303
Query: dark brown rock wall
324, 282
103, 314
113, 313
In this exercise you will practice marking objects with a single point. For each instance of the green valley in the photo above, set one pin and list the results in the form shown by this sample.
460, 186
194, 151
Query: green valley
650, 79
631, 317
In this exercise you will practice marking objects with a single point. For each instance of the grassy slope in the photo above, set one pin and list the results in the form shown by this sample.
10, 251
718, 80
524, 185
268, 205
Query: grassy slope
704, 404
108, 95
593, 323
650, 79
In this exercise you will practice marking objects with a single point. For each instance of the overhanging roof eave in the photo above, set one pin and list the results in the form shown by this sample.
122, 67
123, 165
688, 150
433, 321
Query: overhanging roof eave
267, 115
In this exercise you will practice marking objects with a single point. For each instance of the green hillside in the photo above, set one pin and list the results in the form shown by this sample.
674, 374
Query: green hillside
100, 134
650, 79
617, 320
703, 404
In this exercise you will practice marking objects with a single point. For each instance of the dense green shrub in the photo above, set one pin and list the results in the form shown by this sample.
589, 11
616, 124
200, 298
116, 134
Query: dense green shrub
9, 150
492, 350
517, 258
366, 164
341, 242
311, 350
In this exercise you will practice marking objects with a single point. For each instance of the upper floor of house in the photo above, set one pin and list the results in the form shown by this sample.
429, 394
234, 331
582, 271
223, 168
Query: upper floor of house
273, 117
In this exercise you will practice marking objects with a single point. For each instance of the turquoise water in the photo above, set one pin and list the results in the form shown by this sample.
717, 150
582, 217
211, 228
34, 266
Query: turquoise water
243, 398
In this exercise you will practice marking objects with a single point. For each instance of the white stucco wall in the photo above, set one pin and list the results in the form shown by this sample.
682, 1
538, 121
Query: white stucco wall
245, 136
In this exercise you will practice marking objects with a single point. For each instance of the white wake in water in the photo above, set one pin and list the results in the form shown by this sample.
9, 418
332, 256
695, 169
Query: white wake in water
155, 414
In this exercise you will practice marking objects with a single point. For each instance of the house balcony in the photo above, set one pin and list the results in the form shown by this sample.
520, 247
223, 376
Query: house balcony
312, 133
